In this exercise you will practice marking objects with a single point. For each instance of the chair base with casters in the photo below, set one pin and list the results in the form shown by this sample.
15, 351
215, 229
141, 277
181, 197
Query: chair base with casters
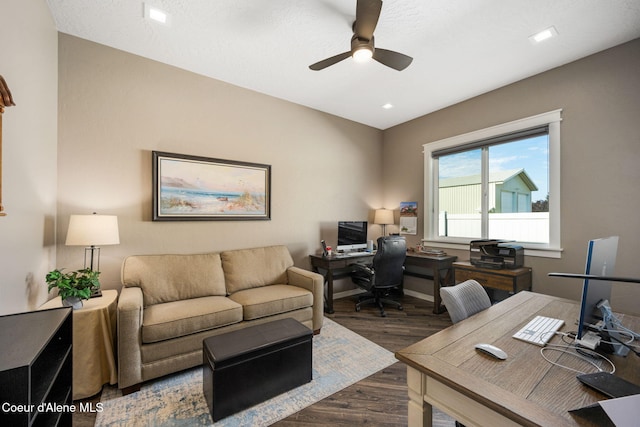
379, 298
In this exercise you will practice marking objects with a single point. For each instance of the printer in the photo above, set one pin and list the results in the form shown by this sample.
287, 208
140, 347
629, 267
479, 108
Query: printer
491, 253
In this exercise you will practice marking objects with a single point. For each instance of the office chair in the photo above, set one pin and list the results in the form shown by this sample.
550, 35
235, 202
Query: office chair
464, 299
384, 274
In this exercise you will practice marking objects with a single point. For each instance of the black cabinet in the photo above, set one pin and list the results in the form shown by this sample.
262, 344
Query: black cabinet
36, 368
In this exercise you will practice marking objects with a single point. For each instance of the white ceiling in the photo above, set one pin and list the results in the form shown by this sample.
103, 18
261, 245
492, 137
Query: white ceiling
461, 48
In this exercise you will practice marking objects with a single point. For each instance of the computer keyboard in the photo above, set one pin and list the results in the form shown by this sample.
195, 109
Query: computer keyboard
539, 330
352, 254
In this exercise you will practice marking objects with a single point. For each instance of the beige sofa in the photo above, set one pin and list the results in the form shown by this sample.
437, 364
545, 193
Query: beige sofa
170, 303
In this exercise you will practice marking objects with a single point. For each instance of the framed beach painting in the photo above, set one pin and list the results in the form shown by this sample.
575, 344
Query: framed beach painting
201, 188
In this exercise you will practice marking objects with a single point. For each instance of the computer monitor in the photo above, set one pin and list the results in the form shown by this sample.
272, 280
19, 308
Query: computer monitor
601, 261
352, 235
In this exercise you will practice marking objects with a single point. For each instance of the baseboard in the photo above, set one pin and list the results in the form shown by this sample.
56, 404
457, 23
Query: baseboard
409, 292
418, 295
348, 293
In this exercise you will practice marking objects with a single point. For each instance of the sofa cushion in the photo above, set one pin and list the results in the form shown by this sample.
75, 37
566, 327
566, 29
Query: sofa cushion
179, 318
166, 278
252, 268
270, 300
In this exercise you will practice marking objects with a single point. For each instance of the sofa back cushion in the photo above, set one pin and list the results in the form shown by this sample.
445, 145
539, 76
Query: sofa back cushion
252, 268
166, 278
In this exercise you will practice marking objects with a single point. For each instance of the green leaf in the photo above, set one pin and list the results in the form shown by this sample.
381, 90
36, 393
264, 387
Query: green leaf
78, 283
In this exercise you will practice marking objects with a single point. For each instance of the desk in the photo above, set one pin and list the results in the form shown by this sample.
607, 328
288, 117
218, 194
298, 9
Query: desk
441, 273
504, 279
444, 370
94, 328
338, 267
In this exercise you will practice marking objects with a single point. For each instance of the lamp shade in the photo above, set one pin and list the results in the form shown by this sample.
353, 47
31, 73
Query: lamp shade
93, 230
383, 216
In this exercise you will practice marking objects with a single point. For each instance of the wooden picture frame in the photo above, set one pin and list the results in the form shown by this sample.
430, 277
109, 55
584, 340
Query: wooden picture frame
6, 100
188, 188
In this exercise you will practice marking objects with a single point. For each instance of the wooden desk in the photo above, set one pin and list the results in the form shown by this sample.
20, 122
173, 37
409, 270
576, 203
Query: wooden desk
441, 273
338, 267
94, 332
444, 370
504, 279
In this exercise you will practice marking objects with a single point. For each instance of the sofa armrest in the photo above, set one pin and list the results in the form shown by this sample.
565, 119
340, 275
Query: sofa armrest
313, 282
129, 314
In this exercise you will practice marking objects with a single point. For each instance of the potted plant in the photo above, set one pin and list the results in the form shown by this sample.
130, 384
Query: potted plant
73, 286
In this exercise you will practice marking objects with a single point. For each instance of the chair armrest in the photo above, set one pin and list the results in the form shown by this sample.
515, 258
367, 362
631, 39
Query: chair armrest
313, 282
362, 268
129, 317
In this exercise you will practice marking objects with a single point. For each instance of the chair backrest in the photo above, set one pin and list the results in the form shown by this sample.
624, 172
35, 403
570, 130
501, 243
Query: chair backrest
388, 262
464, 299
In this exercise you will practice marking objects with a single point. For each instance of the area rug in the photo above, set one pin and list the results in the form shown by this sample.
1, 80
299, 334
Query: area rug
340, 358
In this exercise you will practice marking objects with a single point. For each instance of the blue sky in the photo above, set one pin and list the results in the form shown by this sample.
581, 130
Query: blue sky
531, 154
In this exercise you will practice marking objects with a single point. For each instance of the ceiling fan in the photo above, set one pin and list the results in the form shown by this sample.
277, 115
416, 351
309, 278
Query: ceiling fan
362, 45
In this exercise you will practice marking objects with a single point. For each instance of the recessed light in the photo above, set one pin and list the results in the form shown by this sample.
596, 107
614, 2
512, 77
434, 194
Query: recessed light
157, 15
387, 106
543, 35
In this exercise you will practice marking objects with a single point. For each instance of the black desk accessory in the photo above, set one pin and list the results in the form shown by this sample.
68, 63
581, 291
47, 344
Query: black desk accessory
608, 384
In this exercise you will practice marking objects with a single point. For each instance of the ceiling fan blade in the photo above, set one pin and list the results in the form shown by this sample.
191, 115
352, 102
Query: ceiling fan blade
395, 60
329, 61
367, 14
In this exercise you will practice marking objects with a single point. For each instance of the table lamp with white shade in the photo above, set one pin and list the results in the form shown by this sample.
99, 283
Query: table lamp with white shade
91, 231
383, 217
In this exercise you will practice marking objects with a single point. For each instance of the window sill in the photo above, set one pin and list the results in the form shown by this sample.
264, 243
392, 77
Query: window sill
533, 252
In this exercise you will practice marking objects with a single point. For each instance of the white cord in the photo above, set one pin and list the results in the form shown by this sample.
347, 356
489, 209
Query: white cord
609, 319
565, 349
608, 316
629, 334
618, 324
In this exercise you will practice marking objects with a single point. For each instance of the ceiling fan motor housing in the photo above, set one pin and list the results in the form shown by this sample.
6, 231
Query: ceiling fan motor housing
358, 44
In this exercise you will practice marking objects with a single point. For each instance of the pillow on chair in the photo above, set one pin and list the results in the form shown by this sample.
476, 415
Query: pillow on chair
464, 299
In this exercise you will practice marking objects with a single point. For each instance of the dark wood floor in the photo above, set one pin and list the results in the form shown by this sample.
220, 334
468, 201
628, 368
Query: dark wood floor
379, 400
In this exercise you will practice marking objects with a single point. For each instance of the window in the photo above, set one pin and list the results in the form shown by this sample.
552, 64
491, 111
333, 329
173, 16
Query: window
501, 182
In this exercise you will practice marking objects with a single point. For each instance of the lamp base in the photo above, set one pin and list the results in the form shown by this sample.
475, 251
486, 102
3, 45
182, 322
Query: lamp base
93, 254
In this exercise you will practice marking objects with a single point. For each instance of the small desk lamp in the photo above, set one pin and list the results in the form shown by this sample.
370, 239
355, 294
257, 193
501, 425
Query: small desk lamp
90, 231
383, 217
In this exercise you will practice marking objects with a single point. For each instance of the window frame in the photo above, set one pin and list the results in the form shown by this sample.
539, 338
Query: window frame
552, 119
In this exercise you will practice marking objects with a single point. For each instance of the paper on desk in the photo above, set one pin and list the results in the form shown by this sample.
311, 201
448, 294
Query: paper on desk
623, 411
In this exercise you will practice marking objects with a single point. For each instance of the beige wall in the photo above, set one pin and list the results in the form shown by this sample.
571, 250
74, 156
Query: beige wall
600, 146
116, 108
28, 62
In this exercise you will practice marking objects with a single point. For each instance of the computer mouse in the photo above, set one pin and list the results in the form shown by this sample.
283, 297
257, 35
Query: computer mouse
491, 350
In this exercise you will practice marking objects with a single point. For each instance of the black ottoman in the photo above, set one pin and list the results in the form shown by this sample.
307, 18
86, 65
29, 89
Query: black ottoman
250, 365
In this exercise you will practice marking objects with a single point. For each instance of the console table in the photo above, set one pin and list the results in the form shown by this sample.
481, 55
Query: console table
504, 279
339, 266
94, 333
